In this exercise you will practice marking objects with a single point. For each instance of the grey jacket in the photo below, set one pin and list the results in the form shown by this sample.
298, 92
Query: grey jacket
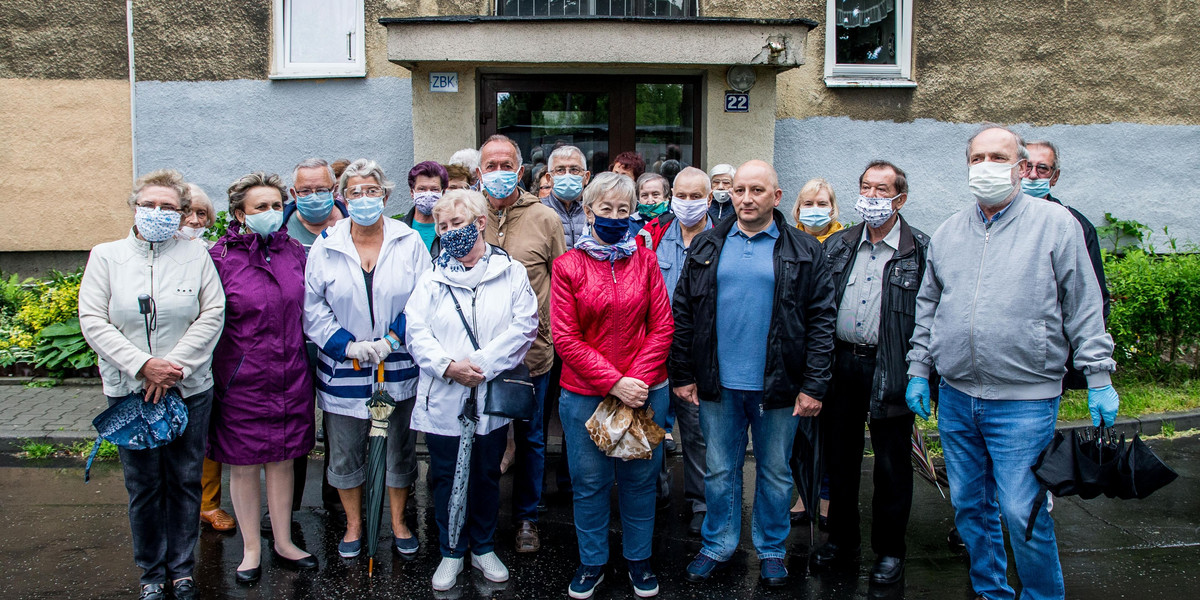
1000, 302
574, 223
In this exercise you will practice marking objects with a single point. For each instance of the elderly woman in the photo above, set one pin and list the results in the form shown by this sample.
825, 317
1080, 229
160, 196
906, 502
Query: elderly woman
356, 320
263, 415
426, 181
816, 210
187, 309
199, 219
458, 178
492, 292
721, 179
612, 326
630, 164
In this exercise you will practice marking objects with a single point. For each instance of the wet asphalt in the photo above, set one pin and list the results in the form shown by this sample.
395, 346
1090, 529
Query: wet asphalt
64, 539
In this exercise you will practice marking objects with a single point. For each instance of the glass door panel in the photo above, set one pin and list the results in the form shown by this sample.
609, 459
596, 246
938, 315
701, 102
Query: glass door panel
665, 125
541, 121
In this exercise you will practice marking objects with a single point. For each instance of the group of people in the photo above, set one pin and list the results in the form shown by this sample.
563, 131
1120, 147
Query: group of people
690, 296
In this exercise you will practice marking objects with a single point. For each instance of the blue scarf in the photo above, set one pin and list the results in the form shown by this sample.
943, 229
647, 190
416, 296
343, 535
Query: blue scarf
612, 253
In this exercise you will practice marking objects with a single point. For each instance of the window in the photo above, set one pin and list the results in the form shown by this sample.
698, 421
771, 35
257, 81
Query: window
589, 8
868, 43
318, 38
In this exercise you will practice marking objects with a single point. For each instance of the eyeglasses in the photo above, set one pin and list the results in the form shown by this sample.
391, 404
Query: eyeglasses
171, 209
358, 191
563, 170
311, 191
545, 187
1041, 169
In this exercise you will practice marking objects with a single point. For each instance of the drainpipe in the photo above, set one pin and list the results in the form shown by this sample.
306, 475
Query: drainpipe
132, 87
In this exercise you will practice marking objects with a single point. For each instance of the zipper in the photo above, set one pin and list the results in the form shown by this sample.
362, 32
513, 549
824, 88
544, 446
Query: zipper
987, 236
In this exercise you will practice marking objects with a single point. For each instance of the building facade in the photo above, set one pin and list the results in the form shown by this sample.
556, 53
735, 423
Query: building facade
820, 87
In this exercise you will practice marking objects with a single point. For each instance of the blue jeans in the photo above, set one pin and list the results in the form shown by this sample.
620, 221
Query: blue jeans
724, 425
529, 462
990, 446
592, 476
164, 496
483, 490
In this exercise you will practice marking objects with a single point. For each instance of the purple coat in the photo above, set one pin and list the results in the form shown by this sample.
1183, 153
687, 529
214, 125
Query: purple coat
263, 399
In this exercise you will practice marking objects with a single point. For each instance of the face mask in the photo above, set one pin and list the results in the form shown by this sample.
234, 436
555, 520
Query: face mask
1038, 188
815, 216
190, 233
689, 212
721, 196
609, 231
459, 242
568, 186
315, 208
424, 201
649, 211
991, 182
156, 225
264, 223
366, 210
874, 211
500, 184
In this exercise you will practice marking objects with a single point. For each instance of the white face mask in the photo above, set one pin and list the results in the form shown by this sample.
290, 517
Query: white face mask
992, 182
689, 212
191, 233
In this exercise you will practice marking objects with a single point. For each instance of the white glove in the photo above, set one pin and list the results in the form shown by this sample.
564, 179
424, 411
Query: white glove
382, 347
363, 352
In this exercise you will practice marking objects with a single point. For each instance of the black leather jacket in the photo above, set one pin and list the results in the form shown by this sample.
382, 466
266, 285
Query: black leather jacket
799, 338
902, 280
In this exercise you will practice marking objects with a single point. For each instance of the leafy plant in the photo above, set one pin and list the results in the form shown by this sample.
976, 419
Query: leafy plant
83, 448
41, 383
13, 292
1117, 231
61, 346
37, 450
108, 451
219, 226
1155, 313
1168, 429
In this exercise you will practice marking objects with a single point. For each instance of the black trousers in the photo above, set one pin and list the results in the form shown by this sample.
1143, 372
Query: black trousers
842, 418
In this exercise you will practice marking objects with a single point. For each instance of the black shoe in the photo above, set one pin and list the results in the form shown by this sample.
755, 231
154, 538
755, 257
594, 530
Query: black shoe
264, 526
307, 563
153, 591
185, 589
887, 570
823, 522
248, 576
697, 522
798, 518
831, 555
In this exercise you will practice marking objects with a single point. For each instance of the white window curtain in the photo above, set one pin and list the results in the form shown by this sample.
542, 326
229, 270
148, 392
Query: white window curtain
862, 13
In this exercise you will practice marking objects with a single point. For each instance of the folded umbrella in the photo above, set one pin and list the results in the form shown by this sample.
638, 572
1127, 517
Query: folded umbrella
468, 421
380, 404
134, 424
811, 470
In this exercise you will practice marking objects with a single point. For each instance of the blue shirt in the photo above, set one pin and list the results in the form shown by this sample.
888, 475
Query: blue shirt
745, 295
671, 254
427, 231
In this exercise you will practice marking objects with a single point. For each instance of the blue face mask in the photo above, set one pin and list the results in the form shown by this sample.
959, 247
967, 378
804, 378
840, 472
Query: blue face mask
264, 223
315, 208
568, 186
815, 216
609, 231
500, 184
459, 242
1038, 188
365, 211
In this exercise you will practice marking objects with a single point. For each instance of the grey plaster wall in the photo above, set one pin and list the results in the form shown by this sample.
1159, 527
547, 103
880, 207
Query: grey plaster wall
217, 131
1140, 172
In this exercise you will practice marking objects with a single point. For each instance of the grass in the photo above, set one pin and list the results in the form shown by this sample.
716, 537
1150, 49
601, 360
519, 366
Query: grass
1137, 399
36, 450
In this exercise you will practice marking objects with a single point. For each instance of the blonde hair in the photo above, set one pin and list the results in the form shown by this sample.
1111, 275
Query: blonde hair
470, 200
811, 189
201, 200
168, 178
238, 189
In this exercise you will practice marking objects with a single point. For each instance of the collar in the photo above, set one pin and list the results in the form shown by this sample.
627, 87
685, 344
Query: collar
1002, 212
892, 239
674, 231
145, 247
576, 204
772, 230
338, 237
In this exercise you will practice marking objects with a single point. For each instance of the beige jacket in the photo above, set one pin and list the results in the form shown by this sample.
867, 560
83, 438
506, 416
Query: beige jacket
189, 306
531, 232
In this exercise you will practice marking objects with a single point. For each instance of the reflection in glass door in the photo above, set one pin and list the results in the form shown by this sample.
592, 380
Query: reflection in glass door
542, 121
665, 125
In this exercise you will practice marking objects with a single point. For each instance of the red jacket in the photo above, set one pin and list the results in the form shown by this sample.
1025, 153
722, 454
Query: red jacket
610, 320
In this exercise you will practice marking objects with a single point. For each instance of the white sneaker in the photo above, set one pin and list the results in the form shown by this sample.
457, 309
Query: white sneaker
490, 565
447, 574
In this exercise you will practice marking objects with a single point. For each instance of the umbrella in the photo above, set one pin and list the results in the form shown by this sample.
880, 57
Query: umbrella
921, 461
468, 420
381, 406
809, 474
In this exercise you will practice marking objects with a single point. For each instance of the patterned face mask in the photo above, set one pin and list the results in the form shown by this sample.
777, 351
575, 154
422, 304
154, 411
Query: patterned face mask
155, 224
459, 242
875, 211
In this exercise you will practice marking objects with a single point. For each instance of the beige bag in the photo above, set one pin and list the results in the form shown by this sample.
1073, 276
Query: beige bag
622, 432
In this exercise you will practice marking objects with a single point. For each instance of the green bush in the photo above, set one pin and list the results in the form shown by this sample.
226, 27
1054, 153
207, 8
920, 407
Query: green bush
61, 346
220, 225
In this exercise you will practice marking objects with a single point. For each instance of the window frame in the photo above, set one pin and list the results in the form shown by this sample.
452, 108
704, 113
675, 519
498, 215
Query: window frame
845, 75
282, 68
497, 9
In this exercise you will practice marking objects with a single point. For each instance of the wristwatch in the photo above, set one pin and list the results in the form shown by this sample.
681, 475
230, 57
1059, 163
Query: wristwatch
393, 341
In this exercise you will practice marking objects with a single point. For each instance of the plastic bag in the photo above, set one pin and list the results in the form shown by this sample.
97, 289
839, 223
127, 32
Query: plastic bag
623, 432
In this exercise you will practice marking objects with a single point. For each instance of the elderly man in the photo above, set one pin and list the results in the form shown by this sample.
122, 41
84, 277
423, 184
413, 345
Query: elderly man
754, 323
877, 266
313, 206
721, 180
532, 233
569, 175
1007, 291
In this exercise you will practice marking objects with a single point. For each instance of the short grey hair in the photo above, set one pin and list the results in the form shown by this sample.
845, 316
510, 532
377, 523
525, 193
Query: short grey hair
722, 169
610, 184
499, 138
314, 163
364, 168
1022, 153
1046, 144
168, 178
650, 177
564, 153
693, 172
467, 157
201, 200
238, 189
469, 200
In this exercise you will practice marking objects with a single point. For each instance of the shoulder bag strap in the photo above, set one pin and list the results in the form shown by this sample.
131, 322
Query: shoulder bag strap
458, 308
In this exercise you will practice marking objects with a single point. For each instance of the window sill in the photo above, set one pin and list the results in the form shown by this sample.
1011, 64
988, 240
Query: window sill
868, 82
318, 74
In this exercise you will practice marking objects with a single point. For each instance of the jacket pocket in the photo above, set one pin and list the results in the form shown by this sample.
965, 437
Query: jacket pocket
233, 375
902, 288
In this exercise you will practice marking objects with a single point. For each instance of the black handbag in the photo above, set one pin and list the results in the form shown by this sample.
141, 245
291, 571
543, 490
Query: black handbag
510, 394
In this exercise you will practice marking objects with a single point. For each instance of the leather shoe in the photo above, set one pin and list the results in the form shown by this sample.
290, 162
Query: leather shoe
248, 576
831, 555
798, 518
697, 522
219, 520
887, 570
184, 589
527, 537
306, 563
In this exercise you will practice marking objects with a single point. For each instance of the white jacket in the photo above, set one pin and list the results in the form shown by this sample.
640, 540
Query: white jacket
502, 311
335, 313
189, 304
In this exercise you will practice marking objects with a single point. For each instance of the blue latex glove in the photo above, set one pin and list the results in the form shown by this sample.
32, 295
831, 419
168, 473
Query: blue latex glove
917, 397
1102, 403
